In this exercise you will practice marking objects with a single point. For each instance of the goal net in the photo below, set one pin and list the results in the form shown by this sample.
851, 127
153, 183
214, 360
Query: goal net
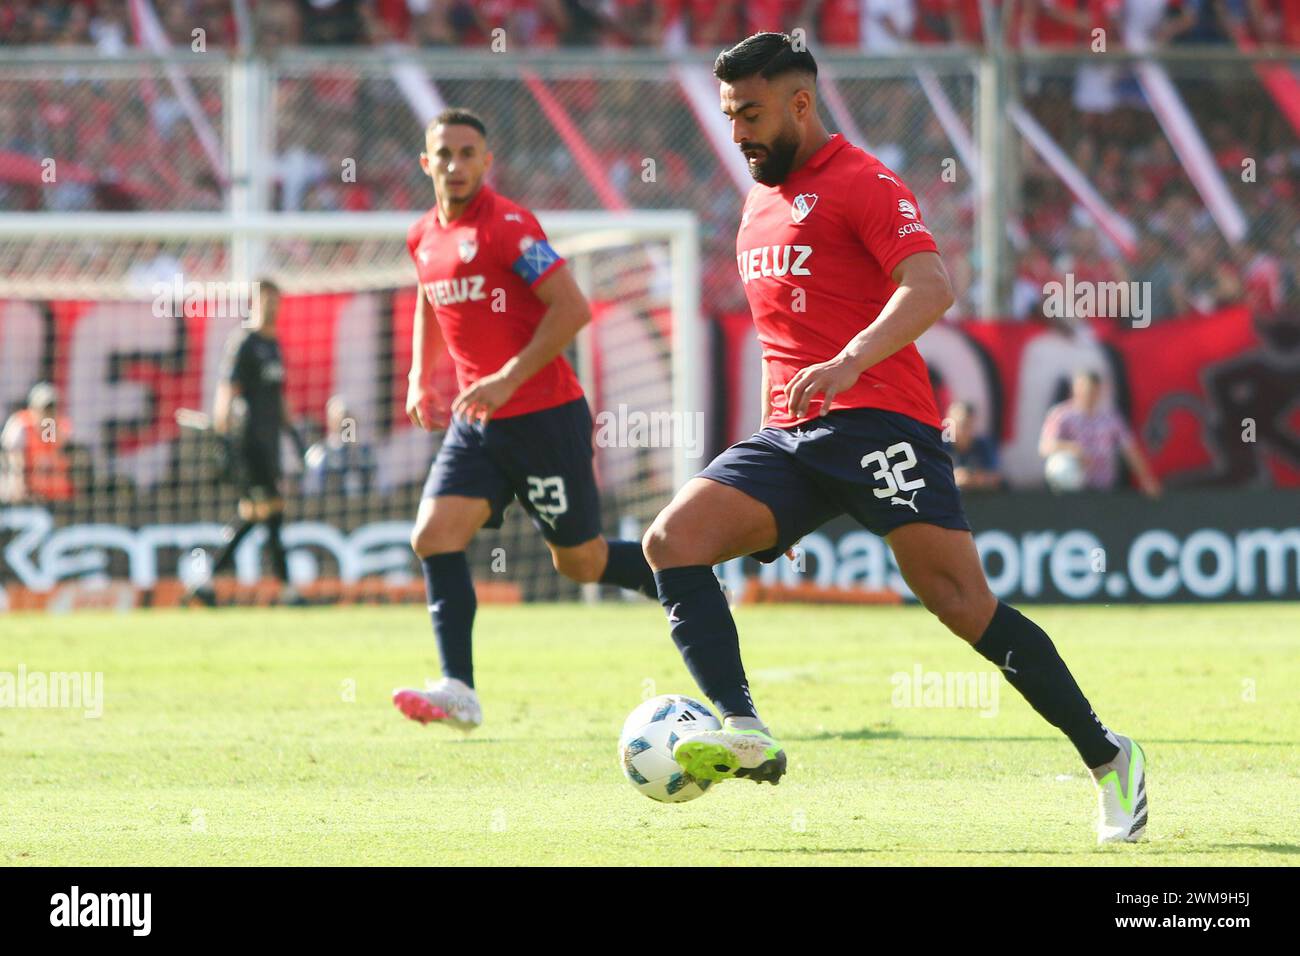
118, 494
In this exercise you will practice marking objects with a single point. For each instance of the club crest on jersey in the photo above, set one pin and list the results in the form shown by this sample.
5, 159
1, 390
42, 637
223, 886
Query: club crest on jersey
468, 249
802, 206
906, 209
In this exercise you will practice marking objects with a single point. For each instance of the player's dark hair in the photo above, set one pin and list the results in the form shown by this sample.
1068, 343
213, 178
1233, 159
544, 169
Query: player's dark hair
766, 54
266, 282
458, 116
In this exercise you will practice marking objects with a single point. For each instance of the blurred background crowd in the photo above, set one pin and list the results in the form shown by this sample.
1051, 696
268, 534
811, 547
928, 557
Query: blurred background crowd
865, 25
124, 137
127, 145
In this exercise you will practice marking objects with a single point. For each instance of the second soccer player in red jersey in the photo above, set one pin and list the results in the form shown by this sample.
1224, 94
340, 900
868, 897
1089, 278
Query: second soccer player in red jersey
503, 301
842, 276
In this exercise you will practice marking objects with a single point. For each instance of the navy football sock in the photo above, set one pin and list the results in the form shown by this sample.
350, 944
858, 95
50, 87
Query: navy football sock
1029, 661
705, 633
452, 604
279, 563
628, 568
231, 536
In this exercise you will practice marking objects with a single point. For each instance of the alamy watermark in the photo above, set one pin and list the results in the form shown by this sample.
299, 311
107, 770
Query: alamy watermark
974, 690
54, 690
628, 428
213, 299
1083, 299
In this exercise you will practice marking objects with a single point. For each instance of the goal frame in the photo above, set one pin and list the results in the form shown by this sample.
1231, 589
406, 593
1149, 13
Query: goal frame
571, 232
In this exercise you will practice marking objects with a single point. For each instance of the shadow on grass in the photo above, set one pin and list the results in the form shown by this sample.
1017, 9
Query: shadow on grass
890, 733
1158, 849
894, 851
1285, 849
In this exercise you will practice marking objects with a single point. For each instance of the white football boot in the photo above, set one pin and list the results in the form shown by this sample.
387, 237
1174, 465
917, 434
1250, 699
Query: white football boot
449, 701
1122, 794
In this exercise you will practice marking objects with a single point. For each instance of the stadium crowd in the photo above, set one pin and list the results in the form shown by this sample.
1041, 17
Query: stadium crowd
324, 115
866, 25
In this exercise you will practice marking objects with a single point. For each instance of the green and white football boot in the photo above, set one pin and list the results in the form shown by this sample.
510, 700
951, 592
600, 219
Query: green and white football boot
1122, 794
731, 752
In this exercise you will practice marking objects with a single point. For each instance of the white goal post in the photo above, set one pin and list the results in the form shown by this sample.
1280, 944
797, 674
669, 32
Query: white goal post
103, 256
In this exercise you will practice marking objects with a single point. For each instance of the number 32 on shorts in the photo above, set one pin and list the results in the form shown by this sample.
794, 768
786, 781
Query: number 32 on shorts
892, 466
547, 497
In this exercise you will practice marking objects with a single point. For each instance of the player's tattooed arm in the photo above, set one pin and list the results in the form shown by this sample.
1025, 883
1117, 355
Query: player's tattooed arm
923, 295
566, 312
767, 397
422, 405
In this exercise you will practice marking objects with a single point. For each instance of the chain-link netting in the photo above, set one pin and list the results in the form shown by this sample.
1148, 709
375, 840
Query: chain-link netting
91, 134
113, 470
1178, 173
1195, 172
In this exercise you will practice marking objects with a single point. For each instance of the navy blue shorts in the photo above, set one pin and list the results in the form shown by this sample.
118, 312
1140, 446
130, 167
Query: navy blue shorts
881, 468
542, 458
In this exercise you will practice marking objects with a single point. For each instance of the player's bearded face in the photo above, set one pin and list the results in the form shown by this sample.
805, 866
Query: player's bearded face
763, 126
769, 163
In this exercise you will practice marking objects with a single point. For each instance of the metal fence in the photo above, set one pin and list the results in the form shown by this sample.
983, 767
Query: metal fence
1183, 169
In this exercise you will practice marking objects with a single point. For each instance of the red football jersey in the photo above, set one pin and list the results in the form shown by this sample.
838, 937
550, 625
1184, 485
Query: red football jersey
479, 272
815, 254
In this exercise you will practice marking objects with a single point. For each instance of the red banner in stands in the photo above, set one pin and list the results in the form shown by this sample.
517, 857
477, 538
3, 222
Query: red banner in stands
1213, 398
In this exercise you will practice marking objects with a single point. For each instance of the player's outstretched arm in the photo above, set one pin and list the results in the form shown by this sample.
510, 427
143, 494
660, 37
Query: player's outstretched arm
923, 295
566, 312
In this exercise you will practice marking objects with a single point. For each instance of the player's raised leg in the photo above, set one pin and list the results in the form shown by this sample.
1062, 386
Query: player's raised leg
942, 567
444, 527
707, 523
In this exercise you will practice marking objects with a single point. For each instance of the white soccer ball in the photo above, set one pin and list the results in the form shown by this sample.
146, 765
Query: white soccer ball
645, 748
1064, 472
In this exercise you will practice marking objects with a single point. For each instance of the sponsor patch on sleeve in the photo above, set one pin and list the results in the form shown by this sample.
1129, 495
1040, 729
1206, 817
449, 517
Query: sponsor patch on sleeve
535, 257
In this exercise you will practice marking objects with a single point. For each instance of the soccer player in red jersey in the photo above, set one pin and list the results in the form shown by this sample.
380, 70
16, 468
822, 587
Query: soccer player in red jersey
842, 276
506, 306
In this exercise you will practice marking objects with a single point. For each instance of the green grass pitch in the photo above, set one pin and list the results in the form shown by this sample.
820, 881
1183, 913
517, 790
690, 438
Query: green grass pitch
268, 737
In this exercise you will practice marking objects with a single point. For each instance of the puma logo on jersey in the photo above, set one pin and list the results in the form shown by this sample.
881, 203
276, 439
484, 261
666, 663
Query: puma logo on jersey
909, 502
890, 178
453, 291
767, 261
514, 217
802, 206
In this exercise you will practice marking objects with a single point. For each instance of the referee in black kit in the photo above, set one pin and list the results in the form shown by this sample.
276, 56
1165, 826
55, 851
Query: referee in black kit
253, 370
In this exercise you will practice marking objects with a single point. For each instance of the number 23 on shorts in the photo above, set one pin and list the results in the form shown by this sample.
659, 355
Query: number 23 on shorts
547, 497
